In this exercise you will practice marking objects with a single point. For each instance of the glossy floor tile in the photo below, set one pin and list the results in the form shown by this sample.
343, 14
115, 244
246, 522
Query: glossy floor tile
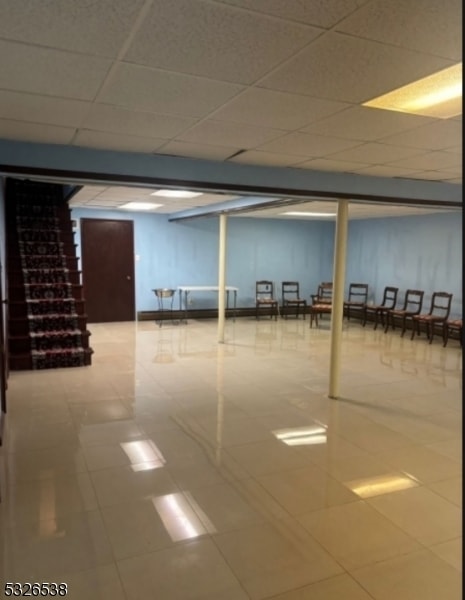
179, 468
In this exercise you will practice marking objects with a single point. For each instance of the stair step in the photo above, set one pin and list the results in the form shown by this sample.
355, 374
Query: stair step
22, 326
50, 360
50, 340
45, 291
44, 276
67, 306
43, 262
46, 234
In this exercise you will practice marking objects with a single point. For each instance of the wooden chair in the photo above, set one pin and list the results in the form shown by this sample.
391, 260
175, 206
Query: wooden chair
452, 325
412, 306
357, 300
322, 301
438, 314
264, 298
291, 298
379, 310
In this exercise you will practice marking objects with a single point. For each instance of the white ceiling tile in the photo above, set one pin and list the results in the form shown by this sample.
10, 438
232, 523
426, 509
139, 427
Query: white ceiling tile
439, 135
152, 90
455, 149
229, 134
42, 109
457, 170
373, 153
110, 141
50, 72
385, 171
203, 151
365, 124
207, 199
258, 106
329, 164
430, 161
125, 191
94, 188
304, 144
116, 119
35, 132
215, 40
348, 69
322, 13
431, 176
98, 28
424, 25
270, 159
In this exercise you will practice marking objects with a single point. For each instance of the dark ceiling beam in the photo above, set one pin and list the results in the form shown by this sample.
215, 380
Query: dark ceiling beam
72, 164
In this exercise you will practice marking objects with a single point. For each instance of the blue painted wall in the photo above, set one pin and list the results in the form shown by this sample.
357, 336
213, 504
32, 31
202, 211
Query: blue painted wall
422, 252
186, 253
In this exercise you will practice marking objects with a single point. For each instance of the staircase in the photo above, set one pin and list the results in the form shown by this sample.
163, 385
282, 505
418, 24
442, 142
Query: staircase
47, 320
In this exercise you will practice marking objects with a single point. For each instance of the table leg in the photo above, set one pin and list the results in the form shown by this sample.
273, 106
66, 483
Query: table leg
186, 293
235, 300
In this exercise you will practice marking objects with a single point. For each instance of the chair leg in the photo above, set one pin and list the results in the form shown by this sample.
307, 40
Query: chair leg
413, 329
431, 332
404, 324
389, 317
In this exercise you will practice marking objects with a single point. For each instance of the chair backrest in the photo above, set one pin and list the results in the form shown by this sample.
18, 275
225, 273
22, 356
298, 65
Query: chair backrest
413, 301
440, 304
325, 292
264, 290
390, 296
290, 290
358, 292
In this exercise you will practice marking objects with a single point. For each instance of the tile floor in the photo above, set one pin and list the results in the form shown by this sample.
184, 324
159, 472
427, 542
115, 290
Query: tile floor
178, 468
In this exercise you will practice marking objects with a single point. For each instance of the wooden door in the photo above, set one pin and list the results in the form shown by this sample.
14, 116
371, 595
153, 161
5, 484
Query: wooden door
107, 253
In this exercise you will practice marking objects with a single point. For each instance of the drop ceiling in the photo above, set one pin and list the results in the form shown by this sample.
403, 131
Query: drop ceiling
260, 82
113, 197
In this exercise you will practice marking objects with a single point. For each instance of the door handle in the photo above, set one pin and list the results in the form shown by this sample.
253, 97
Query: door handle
128, 277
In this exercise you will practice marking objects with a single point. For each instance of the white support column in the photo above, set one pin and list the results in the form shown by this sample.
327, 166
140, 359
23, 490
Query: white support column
340, 247
222, 278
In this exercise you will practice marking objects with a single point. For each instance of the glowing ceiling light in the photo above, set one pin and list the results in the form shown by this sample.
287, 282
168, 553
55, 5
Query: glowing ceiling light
176, 194
308, 214
438, 95
140, 206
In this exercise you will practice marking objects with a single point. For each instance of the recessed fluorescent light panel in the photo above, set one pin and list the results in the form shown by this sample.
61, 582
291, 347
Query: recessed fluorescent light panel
438, 95
140, 206
308, 214
176, 194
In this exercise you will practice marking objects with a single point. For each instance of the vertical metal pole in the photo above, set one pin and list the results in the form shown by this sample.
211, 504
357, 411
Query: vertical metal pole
340, 247
222, 279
